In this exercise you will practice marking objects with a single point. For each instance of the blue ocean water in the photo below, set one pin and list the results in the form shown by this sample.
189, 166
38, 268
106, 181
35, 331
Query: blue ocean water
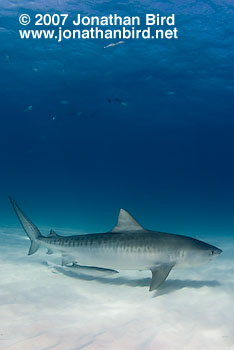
165, 153
146, 125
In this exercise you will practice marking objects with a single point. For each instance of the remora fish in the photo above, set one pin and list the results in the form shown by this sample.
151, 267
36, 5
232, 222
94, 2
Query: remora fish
128, 246
88, 270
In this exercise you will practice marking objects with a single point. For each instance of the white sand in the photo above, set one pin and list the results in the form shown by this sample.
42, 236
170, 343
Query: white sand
42, 310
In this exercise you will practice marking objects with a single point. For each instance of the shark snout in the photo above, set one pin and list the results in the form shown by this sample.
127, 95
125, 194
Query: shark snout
216, 251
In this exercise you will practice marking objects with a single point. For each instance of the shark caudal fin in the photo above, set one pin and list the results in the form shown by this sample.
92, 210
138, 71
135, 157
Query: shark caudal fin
32, 231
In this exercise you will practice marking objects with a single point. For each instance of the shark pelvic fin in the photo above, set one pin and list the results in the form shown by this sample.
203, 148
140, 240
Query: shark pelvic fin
126, 223
67, 259
159, 274
50, 251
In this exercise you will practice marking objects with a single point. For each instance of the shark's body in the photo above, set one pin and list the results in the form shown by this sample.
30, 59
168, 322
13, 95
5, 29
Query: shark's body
127, 247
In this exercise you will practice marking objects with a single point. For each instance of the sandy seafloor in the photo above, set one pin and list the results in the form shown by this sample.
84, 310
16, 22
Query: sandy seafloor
42, 309
165, 152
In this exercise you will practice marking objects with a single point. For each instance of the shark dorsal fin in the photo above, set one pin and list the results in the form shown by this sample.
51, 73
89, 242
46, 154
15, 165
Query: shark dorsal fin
52, 234
126, 223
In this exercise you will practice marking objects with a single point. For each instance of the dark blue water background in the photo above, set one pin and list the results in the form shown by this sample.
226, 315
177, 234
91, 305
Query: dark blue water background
166, 154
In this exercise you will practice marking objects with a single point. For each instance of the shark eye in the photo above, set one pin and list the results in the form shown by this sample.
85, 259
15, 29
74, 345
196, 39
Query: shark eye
212, 252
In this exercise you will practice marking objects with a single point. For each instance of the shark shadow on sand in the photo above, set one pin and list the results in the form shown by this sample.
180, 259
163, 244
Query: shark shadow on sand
168, 286
171, 286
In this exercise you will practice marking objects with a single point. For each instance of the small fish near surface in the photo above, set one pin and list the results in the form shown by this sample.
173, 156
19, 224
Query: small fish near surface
114, 44
28, 109
128, 246
118, 100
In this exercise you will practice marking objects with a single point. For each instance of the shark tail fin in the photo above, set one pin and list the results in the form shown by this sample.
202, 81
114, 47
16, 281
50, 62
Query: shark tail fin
31, 230
33, 247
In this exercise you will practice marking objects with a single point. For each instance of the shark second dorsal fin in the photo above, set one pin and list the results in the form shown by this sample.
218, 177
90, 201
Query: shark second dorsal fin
52, 234
126, 223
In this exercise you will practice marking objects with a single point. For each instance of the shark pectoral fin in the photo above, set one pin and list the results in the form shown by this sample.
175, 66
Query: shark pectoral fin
159, 274
50, 251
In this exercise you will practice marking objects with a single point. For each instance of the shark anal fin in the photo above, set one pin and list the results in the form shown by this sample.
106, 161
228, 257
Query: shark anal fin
50, 251
159, 274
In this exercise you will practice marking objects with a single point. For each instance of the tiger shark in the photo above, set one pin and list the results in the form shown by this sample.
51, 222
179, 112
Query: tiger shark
128, 246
